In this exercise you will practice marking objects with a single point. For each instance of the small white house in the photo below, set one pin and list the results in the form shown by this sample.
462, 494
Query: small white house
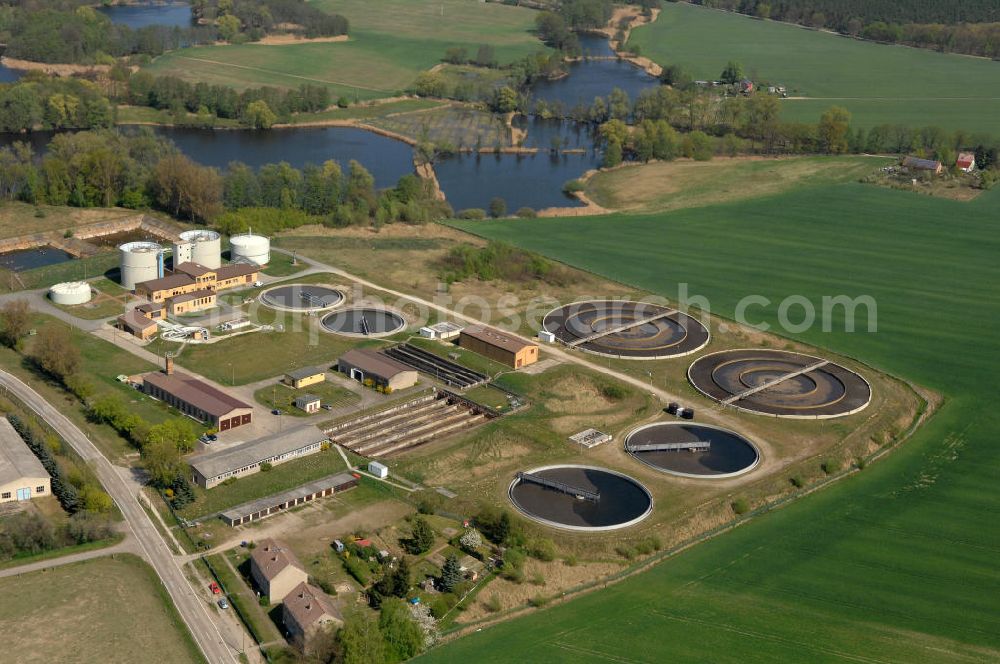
308, 402
443, 331
378, 470
546, 336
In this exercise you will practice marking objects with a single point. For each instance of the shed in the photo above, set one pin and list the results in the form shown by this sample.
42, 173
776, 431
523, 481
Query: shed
363, 364
379, 470
499, 346
307, 402
305, 377
966, 162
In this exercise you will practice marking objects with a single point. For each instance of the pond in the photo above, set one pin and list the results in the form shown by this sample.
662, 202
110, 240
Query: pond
567, 134
8, 75
595, 45
28, 259
593, 78
385, 158
145, 14
534, 180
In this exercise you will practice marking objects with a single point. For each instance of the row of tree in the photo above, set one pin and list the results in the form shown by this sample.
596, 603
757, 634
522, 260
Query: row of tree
239, 20
970, 26
45, 102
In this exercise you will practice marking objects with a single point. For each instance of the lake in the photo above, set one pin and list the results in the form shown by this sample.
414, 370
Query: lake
8, 75
142, 15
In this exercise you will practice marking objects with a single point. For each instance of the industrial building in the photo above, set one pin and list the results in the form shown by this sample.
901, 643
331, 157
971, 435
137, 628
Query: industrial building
190, 277
22, 476
208, 470
154, 310
192, 302
137, 324
275, 569
305, 377
199, 246
498, 346
264, 507
363, 364
442, 331
196, 398
305, 610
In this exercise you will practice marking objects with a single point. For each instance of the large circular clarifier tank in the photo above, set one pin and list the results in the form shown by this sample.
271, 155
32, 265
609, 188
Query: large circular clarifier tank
199, 246
139, 261
70, 293
250, 248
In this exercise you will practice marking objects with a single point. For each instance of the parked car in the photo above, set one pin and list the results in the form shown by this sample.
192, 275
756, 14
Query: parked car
258, 284
204, 439
214, 587
223, 604
327, 406
212, 437
276, 411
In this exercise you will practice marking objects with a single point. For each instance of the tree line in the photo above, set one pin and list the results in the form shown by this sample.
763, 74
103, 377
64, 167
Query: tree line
45, 102
251, 20
971, 27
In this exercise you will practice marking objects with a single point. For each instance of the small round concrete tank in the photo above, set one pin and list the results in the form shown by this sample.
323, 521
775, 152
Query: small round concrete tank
250, 248
199, 246
70, 293
140, 261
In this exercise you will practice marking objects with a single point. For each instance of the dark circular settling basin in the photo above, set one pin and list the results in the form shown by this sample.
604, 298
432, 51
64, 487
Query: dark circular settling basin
622, 499
303, 297
729, 453
348, 321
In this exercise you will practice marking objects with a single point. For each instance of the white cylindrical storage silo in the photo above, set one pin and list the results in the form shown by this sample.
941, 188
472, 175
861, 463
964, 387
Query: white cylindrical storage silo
70, 293
250, 248
205, 248
140, 261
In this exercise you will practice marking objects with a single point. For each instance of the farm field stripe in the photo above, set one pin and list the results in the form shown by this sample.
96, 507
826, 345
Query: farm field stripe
280, 73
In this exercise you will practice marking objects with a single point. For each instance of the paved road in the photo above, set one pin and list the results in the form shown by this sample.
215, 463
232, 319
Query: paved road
151, 545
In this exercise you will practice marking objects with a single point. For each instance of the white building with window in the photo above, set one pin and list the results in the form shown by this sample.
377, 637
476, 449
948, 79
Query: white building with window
22, 476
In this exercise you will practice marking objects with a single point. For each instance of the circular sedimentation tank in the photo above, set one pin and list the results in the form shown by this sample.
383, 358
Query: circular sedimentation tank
626, 329
139, 261
729, 454
780, 383
364, 322
70, 293
302, 297
250, 248
580, 498
199, 246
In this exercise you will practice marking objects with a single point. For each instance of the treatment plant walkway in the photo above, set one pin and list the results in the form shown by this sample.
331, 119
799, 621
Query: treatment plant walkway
152, 546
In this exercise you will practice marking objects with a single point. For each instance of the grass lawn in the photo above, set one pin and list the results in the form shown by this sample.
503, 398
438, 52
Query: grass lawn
281, 396
107, 610
367, 111
678, 184
892, 564
386, 51
281, 266
877, 83
126, 115
23, 219
282, 477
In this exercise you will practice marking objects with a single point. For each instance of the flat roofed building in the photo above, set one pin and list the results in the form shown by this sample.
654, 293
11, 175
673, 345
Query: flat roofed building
197, 399
190, 277
137, 324
275, 569
363, 364
191, 302
305, 377
305, 610
499, 346
264, 507
209, 470
236, 274
22, 476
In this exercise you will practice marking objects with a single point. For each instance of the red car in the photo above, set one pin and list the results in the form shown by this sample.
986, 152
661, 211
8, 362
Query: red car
214, 587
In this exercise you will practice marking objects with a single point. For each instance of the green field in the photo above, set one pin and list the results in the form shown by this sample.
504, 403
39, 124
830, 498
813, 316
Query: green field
896, 563
389, 45
456, 126
878, 83
102, 610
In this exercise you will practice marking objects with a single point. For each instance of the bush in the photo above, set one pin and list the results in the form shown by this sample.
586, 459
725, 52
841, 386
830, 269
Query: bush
625, 551
570, 561
526, 213
498, 207
542, 549
796, 481
265, 466
493, 604
614, 392
472, 213
740, 506
829, 466
574, 186
538, 601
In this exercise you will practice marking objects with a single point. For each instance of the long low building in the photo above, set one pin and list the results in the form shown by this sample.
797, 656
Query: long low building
365, 364
262, 508
499, 346
190, 277
22, 476
196, 398
209, 470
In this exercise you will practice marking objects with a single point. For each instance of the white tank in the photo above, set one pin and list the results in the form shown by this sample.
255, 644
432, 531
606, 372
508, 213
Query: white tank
140, 261
70, 293
199, 246
250, 248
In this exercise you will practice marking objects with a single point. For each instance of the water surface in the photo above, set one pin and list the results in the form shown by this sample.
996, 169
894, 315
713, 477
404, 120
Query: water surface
145, 14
